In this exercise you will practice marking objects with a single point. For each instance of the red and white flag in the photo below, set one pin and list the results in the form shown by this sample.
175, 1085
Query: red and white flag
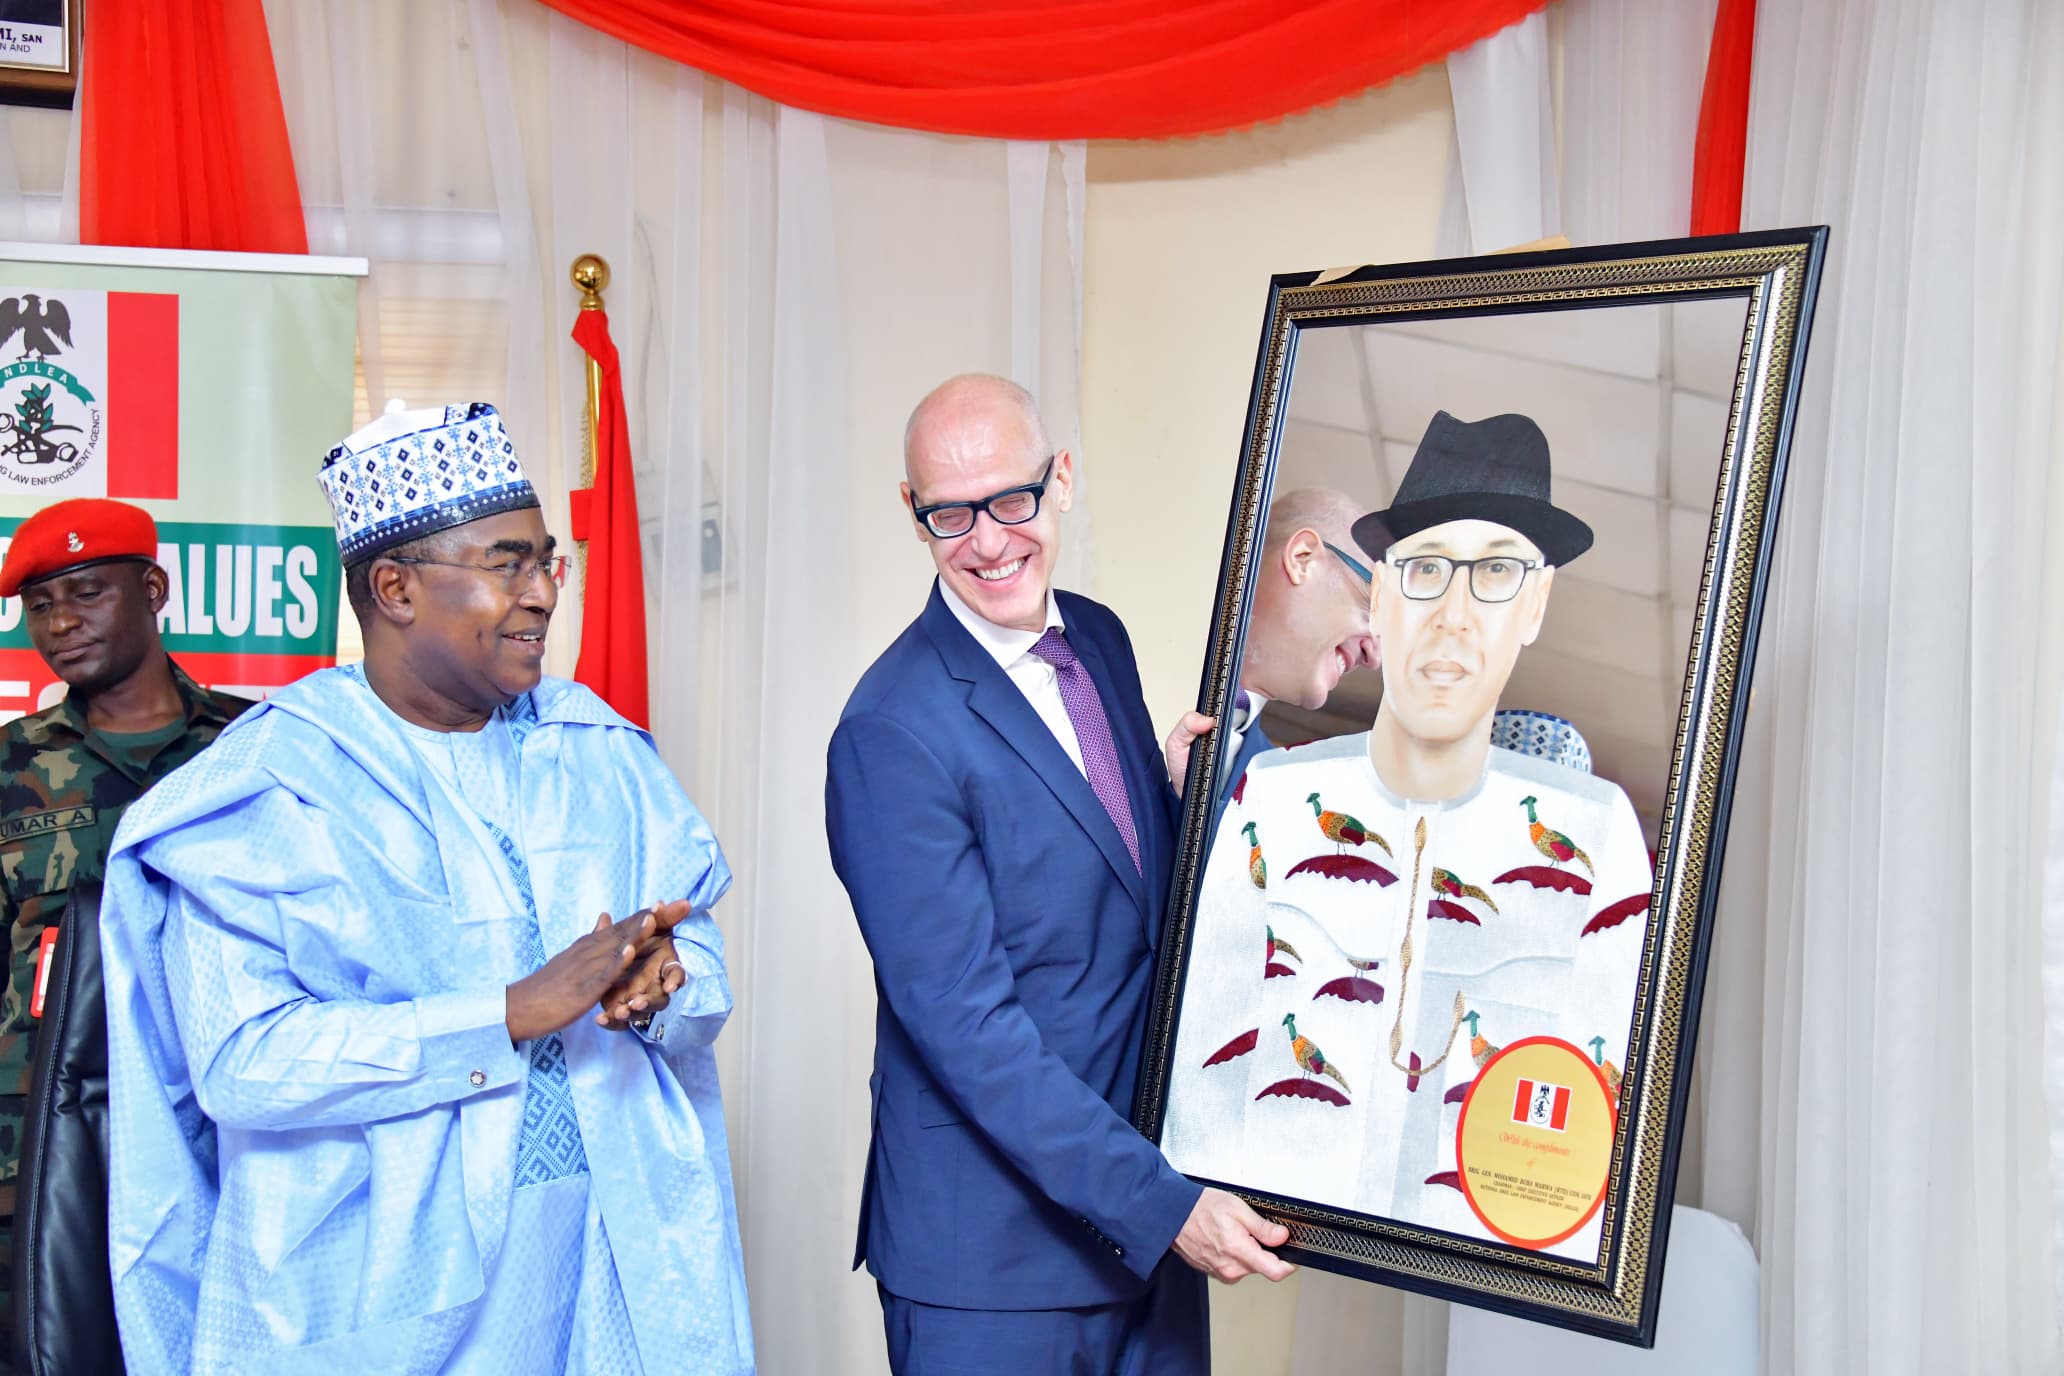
1541, 1105
612, 648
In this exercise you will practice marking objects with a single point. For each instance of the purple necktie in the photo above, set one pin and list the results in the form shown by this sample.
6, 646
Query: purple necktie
1092, 733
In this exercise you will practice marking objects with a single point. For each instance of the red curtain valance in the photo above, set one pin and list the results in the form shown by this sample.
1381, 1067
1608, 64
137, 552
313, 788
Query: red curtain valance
1053, 69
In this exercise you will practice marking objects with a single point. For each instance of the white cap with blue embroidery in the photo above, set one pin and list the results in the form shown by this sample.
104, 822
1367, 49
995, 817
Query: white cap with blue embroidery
413, 473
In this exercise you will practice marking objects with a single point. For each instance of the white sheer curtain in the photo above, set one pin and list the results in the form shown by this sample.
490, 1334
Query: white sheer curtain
1579, 120
1632, 74
1875, 1004
1502, 186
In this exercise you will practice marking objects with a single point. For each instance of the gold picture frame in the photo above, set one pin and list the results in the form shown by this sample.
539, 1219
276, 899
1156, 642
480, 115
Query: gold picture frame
39, 52
1772, 279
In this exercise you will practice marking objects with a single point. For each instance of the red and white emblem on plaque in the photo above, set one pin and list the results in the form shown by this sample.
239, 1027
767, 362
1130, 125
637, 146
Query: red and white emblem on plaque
1541, 1105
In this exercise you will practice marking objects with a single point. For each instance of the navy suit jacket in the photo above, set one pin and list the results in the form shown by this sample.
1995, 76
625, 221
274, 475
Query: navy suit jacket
1253, 743
1013, 944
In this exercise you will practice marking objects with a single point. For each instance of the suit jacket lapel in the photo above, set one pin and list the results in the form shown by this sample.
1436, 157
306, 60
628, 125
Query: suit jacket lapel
1251, 744
997, 701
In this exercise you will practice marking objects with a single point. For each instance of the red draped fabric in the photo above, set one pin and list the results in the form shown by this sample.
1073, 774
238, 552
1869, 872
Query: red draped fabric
182, 140
1723, 125
1053, 69
612, 649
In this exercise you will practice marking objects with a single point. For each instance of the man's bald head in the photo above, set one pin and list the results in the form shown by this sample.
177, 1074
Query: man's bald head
971, 399
1331, 514
1310, 620
973, 437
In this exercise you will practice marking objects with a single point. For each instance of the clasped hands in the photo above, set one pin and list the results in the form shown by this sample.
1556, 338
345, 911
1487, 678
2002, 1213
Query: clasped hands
625, 968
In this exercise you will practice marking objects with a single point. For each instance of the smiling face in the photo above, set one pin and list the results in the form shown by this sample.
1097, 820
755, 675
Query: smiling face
1446, 660
1310, 623
969, 440
469, 633
95, 626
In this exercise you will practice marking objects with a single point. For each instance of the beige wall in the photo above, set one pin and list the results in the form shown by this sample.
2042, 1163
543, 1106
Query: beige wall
1181, 240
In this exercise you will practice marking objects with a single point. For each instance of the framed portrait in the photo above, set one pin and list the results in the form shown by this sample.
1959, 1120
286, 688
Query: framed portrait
1500, 537
39, 52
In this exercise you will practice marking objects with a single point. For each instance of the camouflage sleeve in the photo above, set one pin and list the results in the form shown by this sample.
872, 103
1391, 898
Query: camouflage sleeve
16, 1070
16, 975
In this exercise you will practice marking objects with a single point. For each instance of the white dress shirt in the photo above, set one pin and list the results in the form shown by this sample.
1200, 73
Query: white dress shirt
1012, 650
1236, 732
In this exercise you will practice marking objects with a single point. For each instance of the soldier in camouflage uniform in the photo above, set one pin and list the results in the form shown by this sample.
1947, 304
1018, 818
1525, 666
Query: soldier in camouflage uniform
91, 592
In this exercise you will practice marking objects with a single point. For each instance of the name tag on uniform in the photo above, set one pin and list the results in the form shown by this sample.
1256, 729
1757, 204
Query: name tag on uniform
43, 823
43, 950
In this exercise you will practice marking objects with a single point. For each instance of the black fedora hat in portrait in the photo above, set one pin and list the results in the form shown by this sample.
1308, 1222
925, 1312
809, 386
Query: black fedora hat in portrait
1494, 469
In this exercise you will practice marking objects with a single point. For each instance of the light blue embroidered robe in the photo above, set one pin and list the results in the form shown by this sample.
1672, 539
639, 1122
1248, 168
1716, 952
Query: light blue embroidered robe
315, 1106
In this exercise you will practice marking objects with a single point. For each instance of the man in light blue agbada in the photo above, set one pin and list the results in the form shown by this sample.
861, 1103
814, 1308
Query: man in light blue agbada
387, 1093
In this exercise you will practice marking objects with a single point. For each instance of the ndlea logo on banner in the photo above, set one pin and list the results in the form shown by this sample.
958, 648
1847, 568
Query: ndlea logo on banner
89, 394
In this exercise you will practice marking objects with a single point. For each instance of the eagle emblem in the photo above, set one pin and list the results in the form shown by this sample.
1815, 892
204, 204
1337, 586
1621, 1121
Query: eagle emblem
73, 542
50, 424
45, 326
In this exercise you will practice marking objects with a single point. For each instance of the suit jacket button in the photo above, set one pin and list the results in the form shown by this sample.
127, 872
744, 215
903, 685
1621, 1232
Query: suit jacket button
478, 1077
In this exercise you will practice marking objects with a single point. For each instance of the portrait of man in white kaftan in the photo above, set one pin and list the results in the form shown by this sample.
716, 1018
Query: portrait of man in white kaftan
1445, 851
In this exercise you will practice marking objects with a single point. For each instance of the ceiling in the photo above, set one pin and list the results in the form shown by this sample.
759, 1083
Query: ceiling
1634, 401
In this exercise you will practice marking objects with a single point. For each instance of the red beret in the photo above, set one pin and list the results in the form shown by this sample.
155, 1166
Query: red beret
84, 530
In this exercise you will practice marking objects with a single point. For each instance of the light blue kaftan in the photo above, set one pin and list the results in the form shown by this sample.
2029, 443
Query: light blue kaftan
320, 1156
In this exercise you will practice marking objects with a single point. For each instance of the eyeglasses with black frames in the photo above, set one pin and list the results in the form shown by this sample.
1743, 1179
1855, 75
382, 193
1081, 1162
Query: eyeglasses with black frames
516, 574
1354, 565
1495, 578
1011, 507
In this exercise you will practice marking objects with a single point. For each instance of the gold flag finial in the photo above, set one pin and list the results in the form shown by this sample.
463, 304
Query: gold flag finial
591, 274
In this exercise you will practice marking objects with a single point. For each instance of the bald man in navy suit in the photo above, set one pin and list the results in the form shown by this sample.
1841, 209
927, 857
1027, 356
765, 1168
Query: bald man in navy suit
1001, 817
1309, 625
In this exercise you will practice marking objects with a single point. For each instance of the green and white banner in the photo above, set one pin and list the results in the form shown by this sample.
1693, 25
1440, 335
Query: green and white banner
204, 387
